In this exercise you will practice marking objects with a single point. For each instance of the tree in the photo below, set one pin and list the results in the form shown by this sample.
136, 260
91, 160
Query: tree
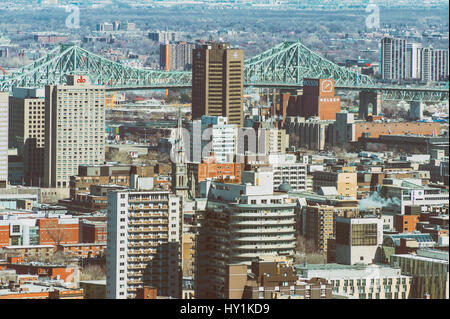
93, 272
119, 156
57, 234
306, 251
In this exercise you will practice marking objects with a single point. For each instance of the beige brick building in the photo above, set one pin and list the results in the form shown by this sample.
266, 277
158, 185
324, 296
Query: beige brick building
74, 129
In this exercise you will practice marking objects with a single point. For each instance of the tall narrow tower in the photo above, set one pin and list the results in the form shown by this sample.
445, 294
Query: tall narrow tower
179, 167
218, 82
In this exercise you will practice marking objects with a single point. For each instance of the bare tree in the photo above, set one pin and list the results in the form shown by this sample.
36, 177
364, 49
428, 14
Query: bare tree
93, 272
57, 233
306, 251
119, 156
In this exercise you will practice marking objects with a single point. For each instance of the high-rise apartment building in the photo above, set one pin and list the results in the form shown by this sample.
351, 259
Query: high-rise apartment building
4, 96
74, 129
165, 36
403, 60
143, 243
27, 131
218, 82
242, 222
176, 56
413, 60
317, 222
434, 65
393, 58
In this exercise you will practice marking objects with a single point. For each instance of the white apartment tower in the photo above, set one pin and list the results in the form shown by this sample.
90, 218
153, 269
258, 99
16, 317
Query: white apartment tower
434, 65
74, 129
4, 96
143, 243
413, 60
242, 222
393, 58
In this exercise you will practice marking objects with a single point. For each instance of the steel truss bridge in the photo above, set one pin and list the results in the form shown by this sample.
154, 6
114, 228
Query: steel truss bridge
283, 67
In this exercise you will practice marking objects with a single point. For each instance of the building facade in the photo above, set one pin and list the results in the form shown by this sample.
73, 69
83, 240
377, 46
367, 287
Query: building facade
143, 243
218, 82
4, 96
358, 240
393, 58
242, 222
27, 131
74, 129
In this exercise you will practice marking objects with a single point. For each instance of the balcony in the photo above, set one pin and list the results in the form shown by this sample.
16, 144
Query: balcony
264, 231
264, 222
264, 247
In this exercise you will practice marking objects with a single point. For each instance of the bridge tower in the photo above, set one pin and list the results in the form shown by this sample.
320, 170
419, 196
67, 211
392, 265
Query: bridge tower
369, 103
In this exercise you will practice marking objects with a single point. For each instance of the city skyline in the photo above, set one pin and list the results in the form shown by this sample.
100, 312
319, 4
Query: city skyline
224, 158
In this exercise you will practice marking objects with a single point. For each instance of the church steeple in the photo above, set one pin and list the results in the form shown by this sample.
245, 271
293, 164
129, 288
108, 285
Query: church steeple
179, 168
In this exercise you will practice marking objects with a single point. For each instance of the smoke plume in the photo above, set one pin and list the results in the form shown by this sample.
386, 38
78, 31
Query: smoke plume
376, 201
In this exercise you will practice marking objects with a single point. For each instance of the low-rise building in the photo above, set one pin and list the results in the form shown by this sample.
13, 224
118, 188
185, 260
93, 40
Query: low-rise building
272, 280
361, 281
429, 268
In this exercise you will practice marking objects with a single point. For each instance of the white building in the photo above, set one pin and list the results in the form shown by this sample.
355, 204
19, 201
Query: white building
212, 134
287, 169
243, 222
74, 129
410, 192
4, 96
393, 58
361, 281
143, 243
413, 60
434, 64
358, 239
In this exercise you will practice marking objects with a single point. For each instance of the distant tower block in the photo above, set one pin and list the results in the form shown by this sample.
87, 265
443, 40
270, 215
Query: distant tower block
369, 104
416, 111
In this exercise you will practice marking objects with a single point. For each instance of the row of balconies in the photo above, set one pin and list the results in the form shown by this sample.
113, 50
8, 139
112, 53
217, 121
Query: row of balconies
265, 247
264, 214
273, 238
146, 237
138, 208
138, 266
148, 222
147, 230
266, 230
148, 215
266, 222
139, 259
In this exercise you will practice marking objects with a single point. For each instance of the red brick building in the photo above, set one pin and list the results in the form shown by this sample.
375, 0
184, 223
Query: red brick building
65, 273
406, 223
84, 250
55, 231
396, 128
318, 100
4, 235
92, 231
